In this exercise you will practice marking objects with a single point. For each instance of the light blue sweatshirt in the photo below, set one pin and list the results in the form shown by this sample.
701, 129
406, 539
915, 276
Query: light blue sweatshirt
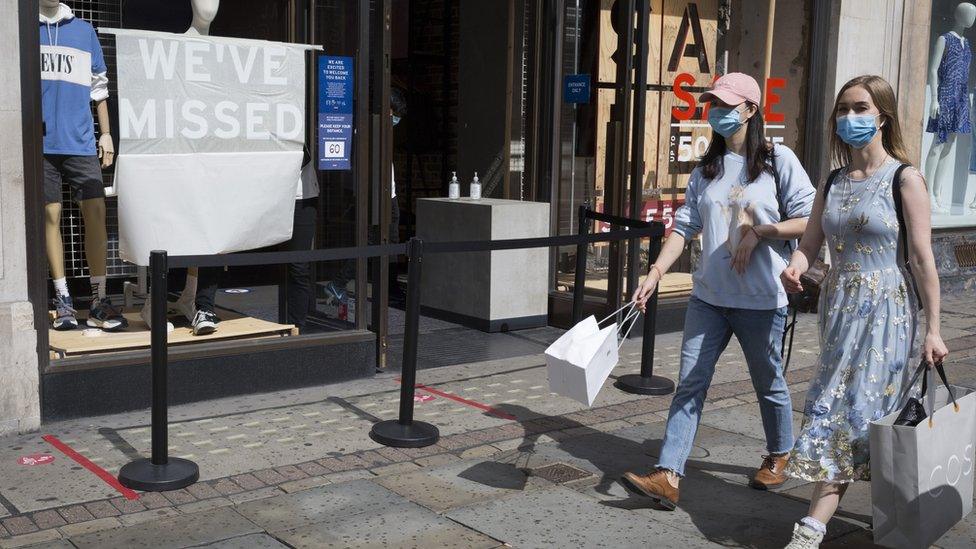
709, 207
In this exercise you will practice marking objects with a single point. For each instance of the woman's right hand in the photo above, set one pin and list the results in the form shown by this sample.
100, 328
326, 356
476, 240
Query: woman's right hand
791, 280
645, 290
934, 111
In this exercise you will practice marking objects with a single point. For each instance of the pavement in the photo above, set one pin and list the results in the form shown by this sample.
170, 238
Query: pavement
515, 465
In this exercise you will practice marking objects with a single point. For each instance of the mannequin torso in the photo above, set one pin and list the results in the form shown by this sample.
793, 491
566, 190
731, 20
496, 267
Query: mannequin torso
949, 111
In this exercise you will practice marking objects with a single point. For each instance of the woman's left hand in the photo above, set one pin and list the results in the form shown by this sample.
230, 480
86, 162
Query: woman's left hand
744, 251
934, 351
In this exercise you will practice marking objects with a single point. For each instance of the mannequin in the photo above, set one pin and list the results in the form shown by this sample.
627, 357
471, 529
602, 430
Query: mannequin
73, 74
196, 301
949, 113
204, 12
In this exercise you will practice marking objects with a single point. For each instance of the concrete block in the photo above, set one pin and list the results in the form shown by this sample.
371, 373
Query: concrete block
489, 290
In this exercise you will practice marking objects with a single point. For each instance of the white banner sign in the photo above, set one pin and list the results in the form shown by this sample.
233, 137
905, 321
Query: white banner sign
211, 139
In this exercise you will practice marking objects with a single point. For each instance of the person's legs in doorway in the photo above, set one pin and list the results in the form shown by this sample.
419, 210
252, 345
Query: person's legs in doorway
760, 333
299, 294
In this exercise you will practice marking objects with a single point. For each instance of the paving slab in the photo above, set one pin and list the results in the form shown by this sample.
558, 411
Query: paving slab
331, 504
177, 532
722, 512
251, 541
460, 483
561, 517
401, 525
60, 482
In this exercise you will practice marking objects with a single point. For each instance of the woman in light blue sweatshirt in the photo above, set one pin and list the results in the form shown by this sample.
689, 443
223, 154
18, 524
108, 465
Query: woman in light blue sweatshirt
747, 199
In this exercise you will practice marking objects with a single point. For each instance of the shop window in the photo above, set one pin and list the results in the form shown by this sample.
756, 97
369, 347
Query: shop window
948, 154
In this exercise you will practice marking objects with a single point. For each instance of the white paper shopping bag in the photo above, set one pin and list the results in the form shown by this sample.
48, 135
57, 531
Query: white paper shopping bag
579, 362
922, 476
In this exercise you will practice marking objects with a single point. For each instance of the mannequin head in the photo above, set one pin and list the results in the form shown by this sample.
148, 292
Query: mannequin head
204, 12
965, 15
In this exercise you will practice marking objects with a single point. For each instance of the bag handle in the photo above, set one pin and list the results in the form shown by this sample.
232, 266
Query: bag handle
628, 305
928, 389
632, 315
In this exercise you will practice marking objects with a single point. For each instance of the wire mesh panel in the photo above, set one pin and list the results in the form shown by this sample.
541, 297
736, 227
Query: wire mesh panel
100, 13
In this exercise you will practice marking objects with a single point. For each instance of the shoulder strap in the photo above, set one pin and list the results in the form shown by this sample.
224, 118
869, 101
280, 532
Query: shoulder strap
899, 211
830, 182
790, 245
903, 229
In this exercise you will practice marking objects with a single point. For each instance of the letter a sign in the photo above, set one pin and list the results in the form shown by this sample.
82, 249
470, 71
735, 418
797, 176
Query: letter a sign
690, 21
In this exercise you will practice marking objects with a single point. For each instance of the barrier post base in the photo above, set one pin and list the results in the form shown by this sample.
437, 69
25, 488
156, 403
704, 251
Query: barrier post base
415, 435
640, 385
143, 474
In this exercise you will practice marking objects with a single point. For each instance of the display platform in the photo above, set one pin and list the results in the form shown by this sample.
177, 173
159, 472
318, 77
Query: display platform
86, 341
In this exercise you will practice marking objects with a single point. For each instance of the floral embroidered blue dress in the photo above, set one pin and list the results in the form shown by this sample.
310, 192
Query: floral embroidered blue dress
868, 331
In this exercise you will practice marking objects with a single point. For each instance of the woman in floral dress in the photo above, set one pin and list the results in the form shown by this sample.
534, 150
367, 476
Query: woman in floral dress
868, 305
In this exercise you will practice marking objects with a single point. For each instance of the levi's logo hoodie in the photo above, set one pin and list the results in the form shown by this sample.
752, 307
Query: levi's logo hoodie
73, 74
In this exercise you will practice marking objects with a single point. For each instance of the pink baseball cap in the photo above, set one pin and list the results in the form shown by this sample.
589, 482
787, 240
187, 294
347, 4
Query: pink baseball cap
735, 88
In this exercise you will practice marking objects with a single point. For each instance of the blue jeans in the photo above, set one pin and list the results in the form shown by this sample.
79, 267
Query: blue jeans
708, 330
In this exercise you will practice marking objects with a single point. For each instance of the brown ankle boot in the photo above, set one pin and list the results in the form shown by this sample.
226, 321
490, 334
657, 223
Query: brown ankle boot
655, 485
771, 473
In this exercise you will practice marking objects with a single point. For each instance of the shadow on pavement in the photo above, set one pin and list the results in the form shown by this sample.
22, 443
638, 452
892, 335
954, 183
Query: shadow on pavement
724, 512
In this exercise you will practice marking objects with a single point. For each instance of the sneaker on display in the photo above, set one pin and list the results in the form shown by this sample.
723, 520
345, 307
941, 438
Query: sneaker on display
102, 314
64, 318
336, 293
205, 322
146, 314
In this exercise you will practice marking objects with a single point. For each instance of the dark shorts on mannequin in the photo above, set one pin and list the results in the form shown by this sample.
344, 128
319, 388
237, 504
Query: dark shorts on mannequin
82, 173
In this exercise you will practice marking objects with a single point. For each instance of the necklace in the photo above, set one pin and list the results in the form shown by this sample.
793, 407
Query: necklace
849, 203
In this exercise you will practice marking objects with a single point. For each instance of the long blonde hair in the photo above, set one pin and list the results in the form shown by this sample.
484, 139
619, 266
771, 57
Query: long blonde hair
884, 98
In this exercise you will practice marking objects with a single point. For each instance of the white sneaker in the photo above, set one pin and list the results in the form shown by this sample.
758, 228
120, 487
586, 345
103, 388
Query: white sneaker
204, 322
146, 314
805, 537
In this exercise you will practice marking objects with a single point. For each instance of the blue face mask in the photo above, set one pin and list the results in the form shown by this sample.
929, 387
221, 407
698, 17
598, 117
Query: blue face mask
396, 120
724, 120
857, 130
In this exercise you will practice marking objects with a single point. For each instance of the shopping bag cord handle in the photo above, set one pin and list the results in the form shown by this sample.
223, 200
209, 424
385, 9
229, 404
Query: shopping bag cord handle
629, 305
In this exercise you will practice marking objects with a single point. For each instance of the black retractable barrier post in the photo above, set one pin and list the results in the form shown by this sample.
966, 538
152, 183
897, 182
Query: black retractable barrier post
646, 383
160, 473
580, 278
405, 432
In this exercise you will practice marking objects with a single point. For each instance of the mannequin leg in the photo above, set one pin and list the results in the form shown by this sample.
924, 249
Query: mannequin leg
52, 239
937, 165
96, 236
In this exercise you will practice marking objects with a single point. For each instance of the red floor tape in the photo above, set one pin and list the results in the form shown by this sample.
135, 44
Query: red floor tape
84, 462
493, 411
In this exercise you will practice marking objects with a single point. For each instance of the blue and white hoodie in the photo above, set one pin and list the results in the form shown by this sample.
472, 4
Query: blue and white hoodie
73, 74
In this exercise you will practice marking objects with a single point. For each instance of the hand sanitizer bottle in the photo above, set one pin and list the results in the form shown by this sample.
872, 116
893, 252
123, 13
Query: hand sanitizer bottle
475, 188
454, 189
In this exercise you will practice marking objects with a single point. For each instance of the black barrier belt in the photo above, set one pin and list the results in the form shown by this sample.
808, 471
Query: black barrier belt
280, 258
616, 220
541, 242
336, 254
